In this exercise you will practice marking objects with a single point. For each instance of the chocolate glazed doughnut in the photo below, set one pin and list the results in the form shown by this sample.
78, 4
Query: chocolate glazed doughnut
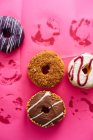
11, 34
45, 109
46, 69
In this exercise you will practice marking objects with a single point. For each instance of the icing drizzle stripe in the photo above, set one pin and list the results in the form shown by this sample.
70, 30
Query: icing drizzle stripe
53, 119
45, 95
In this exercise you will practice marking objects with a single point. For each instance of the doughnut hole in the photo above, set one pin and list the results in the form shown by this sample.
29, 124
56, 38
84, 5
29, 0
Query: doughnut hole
45, 69
6, 33
45, 109
86, 69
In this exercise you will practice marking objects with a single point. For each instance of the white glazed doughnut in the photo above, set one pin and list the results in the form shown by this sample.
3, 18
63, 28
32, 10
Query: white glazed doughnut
80, 71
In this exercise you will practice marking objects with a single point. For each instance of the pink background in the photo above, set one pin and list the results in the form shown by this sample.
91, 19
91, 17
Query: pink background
15, 86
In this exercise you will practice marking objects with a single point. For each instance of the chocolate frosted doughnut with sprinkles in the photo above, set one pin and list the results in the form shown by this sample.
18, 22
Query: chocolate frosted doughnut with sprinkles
11, 34
45, 109
80, 71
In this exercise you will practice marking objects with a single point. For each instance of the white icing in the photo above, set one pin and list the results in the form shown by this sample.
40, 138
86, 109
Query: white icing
37, 115
56, 103
86, 59
53, 119
4, 22
45, 95
10, 44
12, 24
21, 31
8, 47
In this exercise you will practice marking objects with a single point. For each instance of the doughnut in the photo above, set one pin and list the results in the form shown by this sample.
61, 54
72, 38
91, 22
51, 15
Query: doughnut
46, 69
45, 109
11, 34
80, 71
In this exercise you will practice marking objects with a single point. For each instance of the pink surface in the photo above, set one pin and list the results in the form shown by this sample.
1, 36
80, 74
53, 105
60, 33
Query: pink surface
66, 28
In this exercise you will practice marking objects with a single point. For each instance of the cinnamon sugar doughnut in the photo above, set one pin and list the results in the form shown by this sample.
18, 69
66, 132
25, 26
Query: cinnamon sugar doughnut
46, 69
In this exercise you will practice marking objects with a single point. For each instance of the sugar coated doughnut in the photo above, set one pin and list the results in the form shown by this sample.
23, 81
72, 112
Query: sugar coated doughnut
46, 69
